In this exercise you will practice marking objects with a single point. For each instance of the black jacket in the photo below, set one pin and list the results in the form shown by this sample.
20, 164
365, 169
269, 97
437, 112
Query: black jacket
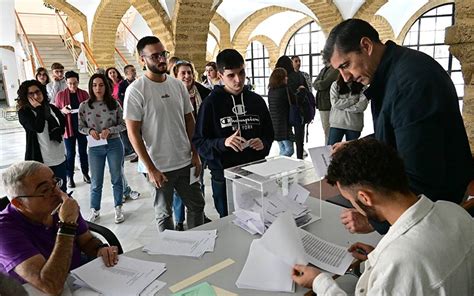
415, 109
279, 111
34, 124
216, 121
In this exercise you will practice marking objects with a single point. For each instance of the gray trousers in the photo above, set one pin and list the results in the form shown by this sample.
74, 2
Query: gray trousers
325, 123
191, 196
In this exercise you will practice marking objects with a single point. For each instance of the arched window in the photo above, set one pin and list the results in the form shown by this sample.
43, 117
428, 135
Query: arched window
307, 43
427, 35
256, 67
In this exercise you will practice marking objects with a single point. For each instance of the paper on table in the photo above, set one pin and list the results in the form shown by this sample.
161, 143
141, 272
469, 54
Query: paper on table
153, 288
298, 193
192, 177
251, 220
274, 166
321, 157
325, 255
129, 277
203, 289
178, 243
91, 142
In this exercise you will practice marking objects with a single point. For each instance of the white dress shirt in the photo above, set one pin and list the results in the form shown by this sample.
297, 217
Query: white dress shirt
427, 251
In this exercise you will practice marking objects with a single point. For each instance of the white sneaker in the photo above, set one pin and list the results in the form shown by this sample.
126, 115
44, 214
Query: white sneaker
130, 156
119, 218
94, 216
132, 195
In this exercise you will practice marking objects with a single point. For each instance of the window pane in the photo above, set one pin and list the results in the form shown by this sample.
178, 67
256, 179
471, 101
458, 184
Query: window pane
443, 22
427, 49
445, 9
439, 36
441, 51
427, 24
443, 62
427, 37
455, 64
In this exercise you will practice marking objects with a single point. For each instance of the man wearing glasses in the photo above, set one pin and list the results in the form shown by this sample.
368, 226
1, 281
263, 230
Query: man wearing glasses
58, 82
42, 233
160, 124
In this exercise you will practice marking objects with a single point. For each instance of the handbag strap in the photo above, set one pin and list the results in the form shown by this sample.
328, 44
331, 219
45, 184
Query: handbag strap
288, 95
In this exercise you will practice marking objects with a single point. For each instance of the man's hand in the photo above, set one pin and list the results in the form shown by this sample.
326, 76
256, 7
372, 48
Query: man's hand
94, 134
336, 147
105, 133
196, 162
34, 102
157, 178
355, 222
360, 250
109, 255
66, 110
304, 275
235, 141
256, 143
69, 210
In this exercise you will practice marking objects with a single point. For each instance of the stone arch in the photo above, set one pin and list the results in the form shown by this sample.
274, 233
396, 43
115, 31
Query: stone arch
291, 31
326, 12
271, 47
242, 34
224, 29
73, 13
157, 19
190, 25
369, 8
428, 6
383, 27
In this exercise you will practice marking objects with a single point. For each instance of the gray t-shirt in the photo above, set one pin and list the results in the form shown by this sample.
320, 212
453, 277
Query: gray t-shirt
160, 107
54, 87
100, 117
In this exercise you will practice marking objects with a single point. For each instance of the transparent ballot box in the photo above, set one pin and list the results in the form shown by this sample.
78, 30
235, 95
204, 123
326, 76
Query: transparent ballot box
258, 192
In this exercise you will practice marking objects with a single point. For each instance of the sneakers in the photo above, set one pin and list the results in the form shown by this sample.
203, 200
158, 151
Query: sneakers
70, 182
94, 216
86, 178
130, 156
132, 195
119, 218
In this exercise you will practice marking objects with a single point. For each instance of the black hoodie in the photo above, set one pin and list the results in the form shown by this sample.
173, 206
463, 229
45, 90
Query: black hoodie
217, 120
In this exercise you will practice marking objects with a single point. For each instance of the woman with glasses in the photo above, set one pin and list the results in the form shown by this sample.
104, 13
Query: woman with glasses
114, 77
100, 118
184, 71
44, 125
42, 76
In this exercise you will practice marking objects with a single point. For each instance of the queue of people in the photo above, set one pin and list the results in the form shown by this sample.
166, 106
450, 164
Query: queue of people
399, 183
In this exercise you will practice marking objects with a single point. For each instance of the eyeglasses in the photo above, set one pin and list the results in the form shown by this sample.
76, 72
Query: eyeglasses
33, 93
57, 182
156, 56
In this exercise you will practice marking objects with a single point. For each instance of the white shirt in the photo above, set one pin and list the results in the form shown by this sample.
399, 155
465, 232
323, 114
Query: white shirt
161, 107
429, 250
54, 87
52, 152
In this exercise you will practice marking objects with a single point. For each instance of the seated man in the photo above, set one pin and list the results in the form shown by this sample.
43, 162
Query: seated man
38, 244
429, 249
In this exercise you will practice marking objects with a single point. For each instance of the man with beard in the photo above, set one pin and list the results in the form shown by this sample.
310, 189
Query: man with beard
429, 248
160, 124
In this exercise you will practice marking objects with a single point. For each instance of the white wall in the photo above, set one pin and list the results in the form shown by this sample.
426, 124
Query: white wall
8, 62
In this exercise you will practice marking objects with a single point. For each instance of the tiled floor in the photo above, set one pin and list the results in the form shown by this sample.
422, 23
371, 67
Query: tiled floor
138, 226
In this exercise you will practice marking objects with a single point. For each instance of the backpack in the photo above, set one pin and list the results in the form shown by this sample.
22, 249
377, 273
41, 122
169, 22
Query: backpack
306, 104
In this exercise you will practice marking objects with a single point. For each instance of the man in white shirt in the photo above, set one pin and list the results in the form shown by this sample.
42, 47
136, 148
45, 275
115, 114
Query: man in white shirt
58, 83
160, 124
429, 248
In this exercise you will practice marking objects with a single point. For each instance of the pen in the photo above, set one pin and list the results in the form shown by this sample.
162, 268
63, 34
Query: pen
59, 206
360, 251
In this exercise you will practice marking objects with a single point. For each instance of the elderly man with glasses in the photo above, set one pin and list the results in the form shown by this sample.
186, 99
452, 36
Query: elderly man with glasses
42, 233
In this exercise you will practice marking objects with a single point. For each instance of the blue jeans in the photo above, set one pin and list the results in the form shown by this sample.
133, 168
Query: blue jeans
127, 146
60, 172
219, 193
113, 152
286, 147
70, 144
336, 135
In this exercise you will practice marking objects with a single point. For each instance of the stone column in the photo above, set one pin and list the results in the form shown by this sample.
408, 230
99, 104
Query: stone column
460, 37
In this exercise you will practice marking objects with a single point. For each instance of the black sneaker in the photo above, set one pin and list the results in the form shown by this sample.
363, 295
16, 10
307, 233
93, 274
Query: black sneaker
70, 183
86, 178
179, 227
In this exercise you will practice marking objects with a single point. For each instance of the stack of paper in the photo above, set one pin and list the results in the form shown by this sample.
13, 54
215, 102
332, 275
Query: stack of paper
129, 277
182, 243
257, 213
271, 258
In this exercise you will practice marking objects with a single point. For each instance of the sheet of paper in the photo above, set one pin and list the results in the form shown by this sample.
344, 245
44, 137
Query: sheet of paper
129, 277
290, 249
192, 178
73, 111
321, 157
298, 193
325, 255
91, 142
274, 166
265, 271
202, 289
153, 288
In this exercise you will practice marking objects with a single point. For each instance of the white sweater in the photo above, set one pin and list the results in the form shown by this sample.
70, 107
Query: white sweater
347, 111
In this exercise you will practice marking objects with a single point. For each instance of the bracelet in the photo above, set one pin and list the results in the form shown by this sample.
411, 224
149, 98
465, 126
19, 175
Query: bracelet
63, 234
66, 231
67, 225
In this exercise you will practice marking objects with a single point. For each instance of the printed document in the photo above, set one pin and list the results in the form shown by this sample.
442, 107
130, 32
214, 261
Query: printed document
321, 157
129, 277
274, 166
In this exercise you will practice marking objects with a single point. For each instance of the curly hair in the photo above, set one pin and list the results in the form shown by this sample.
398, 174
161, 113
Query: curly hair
22, 100
368, 162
